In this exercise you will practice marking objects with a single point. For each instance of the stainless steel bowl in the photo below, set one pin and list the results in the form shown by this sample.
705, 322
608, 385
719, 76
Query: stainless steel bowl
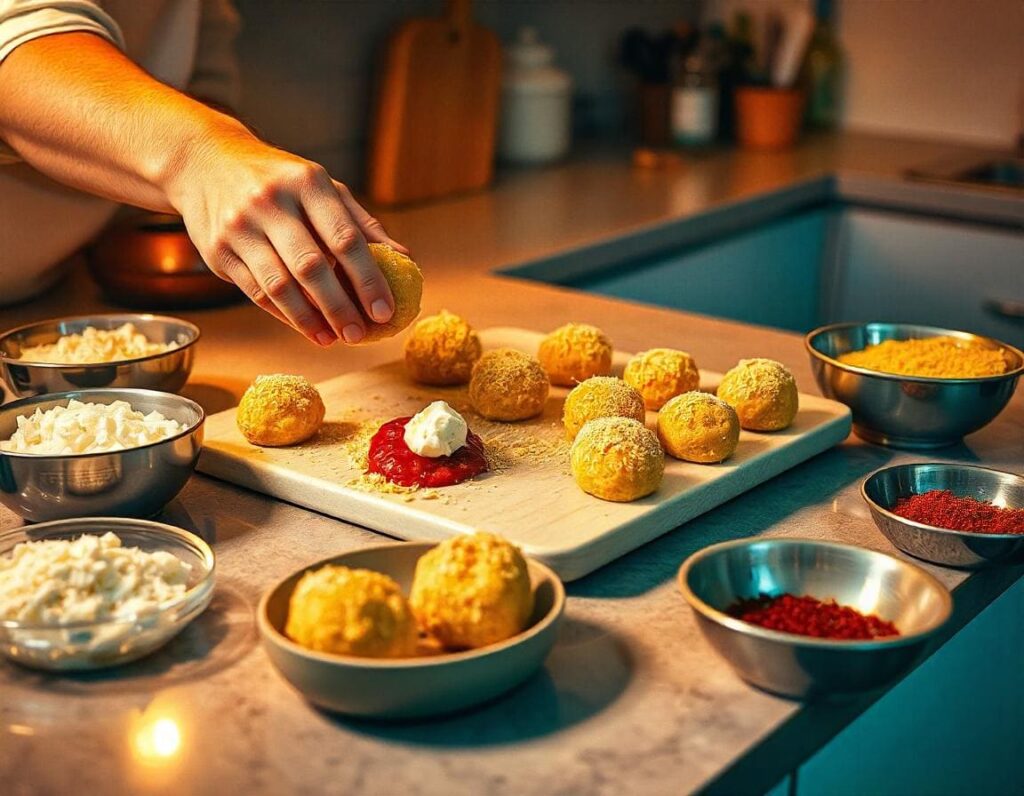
166, 372
110, 642
716, 577
908, 411
136, 482
883, 488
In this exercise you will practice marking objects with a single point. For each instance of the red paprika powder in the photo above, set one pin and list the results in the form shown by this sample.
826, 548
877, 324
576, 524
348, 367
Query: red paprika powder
807, 616
942, 509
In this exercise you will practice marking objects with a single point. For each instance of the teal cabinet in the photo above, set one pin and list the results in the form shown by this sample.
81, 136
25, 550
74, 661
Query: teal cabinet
770, 275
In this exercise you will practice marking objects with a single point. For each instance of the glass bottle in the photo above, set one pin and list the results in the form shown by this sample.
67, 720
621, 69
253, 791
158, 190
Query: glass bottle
694, 104
823, 71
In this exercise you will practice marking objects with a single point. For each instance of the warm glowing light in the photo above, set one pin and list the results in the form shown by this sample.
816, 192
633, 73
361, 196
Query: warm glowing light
169, 262
20, 729
157, 740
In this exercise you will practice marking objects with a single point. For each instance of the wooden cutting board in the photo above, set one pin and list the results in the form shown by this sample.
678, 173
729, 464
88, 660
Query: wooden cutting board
436, 111
531, 499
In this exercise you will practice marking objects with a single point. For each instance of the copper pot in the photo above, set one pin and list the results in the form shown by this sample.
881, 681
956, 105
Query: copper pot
148, 262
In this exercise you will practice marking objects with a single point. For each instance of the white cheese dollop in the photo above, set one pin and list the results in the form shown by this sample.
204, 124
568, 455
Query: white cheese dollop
437, 430
91, 578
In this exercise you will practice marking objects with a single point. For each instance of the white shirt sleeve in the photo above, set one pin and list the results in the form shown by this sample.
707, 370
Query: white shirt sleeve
22, 21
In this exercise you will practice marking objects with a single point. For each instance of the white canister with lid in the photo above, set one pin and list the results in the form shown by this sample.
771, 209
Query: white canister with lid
536, 99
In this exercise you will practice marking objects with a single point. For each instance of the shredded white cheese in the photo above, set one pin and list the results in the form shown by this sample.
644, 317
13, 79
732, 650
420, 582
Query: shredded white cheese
94, 345
88, 428
88, 579
437, 430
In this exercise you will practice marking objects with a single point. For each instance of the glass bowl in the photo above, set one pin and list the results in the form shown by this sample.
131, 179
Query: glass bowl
113, 641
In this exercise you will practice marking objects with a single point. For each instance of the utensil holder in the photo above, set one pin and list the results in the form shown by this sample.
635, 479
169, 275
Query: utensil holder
768, 118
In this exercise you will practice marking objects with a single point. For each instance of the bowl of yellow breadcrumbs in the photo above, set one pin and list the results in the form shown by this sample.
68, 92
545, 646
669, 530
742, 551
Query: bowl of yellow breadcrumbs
912, 386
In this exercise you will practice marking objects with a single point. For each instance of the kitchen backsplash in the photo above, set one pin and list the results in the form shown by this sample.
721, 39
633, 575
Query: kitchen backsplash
308, 65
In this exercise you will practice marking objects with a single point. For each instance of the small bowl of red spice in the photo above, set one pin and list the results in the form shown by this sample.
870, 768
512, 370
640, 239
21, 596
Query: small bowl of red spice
956, 515
803, 619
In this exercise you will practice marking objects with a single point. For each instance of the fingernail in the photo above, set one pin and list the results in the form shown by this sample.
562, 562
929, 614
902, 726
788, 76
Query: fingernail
352, 333
381, 311
325, 338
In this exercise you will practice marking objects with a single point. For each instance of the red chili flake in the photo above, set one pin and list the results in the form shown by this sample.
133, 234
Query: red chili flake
808, 616
942, 509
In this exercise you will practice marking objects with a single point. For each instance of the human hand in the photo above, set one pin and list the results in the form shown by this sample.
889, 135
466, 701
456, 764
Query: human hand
293, 239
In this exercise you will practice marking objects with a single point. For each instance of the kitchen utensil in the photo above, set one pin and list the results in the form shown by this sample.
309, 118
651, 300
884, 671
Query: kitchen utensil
532, 500
148, 261
136, 482
768, 118
109, 642
166, 372
437, 109
409, 687
792, 47
715, 578
908, 411
950, 548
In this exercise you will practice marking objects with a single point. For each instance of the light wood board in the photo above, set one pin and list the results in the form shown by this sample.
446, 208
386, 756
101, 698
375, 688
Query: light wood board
532, 499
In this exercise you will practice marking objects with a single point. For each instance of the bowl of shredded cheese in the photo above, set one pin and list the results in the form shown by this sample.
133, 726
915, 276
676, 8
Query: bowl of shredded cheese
913, 386
97, 592
97, 453
121, 350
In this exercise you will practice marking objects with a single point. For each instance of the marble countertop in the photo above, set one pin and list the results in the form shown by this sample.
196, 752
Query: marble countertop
632, 699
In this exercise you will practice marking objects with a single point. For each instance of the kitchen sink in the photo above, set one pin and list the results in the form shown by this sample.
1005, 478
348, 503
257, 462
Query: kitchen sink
1004, 175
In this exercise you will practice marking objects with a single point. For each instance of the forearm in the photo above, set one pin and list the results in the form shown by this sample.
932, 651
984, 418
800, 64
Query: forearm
75, 108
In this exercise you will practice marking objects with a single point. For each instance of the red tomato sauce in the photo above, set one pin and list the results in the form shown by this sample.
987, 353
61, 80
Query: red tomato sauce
392, 458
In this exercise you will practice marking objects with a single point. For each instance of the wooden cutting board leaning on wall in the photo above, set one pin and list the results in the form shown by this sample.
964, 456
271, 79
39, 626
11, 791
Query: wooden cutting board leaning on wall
436, 114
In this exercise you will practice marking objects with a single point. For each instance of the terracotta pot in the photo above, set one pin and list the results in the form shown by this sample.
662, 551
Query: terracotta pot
768, 118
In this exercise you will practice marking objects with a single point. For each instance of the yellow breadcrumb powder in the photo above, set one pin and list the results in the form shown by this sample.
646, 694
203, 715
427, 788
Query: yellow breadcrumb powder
600, 396
471, 591
942, 357
660, 374
617, 458
441, 350
280, 409
406, 282
575, 352
346, 611
508, 385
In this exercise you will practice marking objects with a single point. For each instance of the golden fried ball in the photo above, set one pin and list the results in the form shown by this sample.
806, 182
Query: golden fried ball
617, 458
406, 283
600, 396
280, 409
575, 352
471, 591
763, 393
697, 427
441, 350
660, 374
508, 385
351, 612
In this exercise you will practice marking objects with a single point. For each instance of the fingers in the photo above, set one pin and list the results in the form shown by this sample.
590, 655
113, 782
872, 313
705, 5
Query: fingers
372, 229
314, 272
270, 285
341, 234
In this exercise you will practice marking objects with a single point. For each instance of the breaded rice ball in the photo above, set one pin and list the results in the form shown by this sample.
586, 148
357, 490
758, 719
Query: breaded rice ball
280, 409
351, 612
617, 458
698, 427
600, 396
406, 283
508, 385
471, 591
763, 393
575, 352
660, 374
441, 350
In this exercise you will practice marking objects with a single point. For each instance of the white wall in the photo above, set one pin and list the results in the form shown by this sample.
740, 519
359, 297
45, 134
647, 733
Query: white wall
951, 69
